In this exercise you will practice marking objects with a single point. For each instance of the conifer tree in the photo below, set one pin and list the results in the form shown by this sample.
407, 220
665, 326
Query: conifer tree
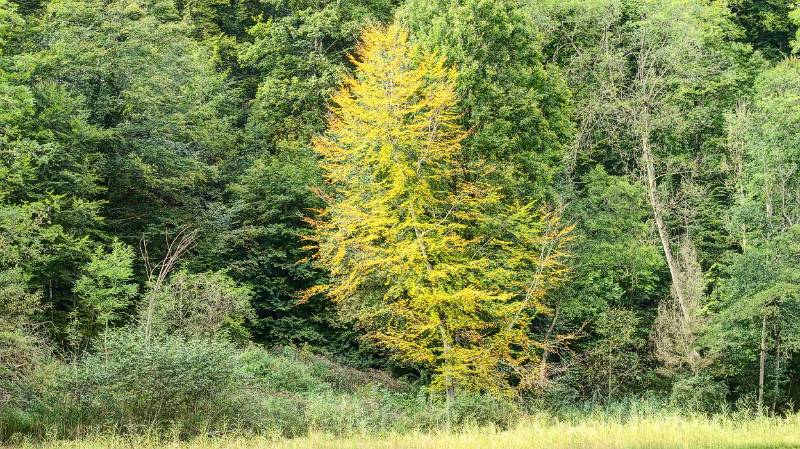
428, 258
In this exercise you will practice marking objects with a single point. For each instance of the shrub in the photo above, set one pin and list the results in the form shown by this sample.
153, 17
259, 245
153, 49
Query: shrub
291, 370
186, 385
699, 393
24, 360
14, 421
207, 305
482, 409
284, 371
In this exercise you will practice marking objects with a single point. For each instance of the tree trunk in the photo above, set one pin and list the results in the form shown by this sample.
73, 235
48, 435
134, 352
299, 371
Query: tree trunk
762, 362
149, 315
451, 394
663, 232
777, 387
449, 385
546, 350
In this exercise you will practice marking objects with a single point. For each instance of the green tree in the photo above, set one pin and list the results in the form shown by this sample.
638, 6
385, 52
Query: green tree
667, 72
106, 286
617, 262
653, 89
756, 330
23, 231
515, 107
49, 185
299, 50
292, 59
766, 23
613, 365
131, 139
264, 246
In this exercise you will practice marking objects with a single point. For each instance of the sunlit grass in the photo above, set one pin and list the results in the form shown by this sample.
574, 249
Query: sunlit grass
666, 432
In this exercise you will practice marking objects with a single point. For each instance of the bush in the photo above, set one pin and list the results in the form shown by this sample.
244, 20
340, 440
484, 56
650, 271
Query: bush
482, 410
207, 305
131, 384
329, 397
24, 361
15, 421
699, 392
297, 371
284, 371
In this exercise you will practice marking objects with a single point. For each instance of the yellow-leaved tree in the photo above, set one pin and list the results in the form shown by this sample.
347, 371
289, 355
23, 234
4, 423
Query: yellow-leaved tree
427, 258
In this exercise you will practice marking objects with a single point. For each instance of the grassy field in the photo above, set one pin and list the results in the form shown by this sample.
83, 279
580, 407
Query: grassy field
534, 433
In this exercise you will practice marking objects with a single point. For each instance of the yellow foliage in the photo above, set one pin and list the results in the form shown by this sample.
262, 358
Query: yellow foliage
427, 257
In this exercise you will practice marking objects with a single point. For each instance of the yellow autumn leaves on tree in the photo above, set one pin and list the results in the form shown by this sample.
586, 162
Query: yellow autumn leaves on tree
428, 257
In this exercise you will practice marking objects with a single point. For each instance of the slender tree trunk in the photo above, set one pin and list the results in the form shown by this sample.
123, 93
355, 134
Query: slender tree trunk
762, 362
737, 154
149, 315
663, 232
777, 387
546, 350
609, 375
449, 385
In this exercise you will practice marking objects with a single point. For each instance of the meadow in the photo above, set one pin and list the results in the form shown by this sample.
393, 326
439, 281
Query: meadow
535, 432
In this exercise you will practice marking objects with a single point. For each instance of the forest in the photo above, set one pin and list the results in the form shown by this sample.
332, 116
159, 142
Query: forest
305, 220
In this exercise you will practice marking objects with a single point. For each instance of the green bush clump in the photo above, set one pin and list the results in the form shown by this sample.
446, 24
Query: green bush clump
699, 392
299, 371
24, 366
133, 384
483, 409
283, 370
15, 421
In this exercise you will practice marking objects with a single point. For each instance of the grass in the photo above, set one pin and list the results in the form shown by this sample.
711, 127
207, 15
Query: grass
538, 432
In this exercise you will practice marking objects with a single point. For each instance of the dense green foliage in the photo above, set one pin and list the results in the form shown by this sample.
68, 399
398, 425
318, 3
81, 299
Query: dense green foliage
548, 201
188, 386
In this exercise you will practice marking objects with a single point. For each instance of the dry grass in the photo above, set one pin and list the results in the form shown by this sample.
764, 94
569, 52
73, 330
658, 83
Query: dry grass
535, 433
